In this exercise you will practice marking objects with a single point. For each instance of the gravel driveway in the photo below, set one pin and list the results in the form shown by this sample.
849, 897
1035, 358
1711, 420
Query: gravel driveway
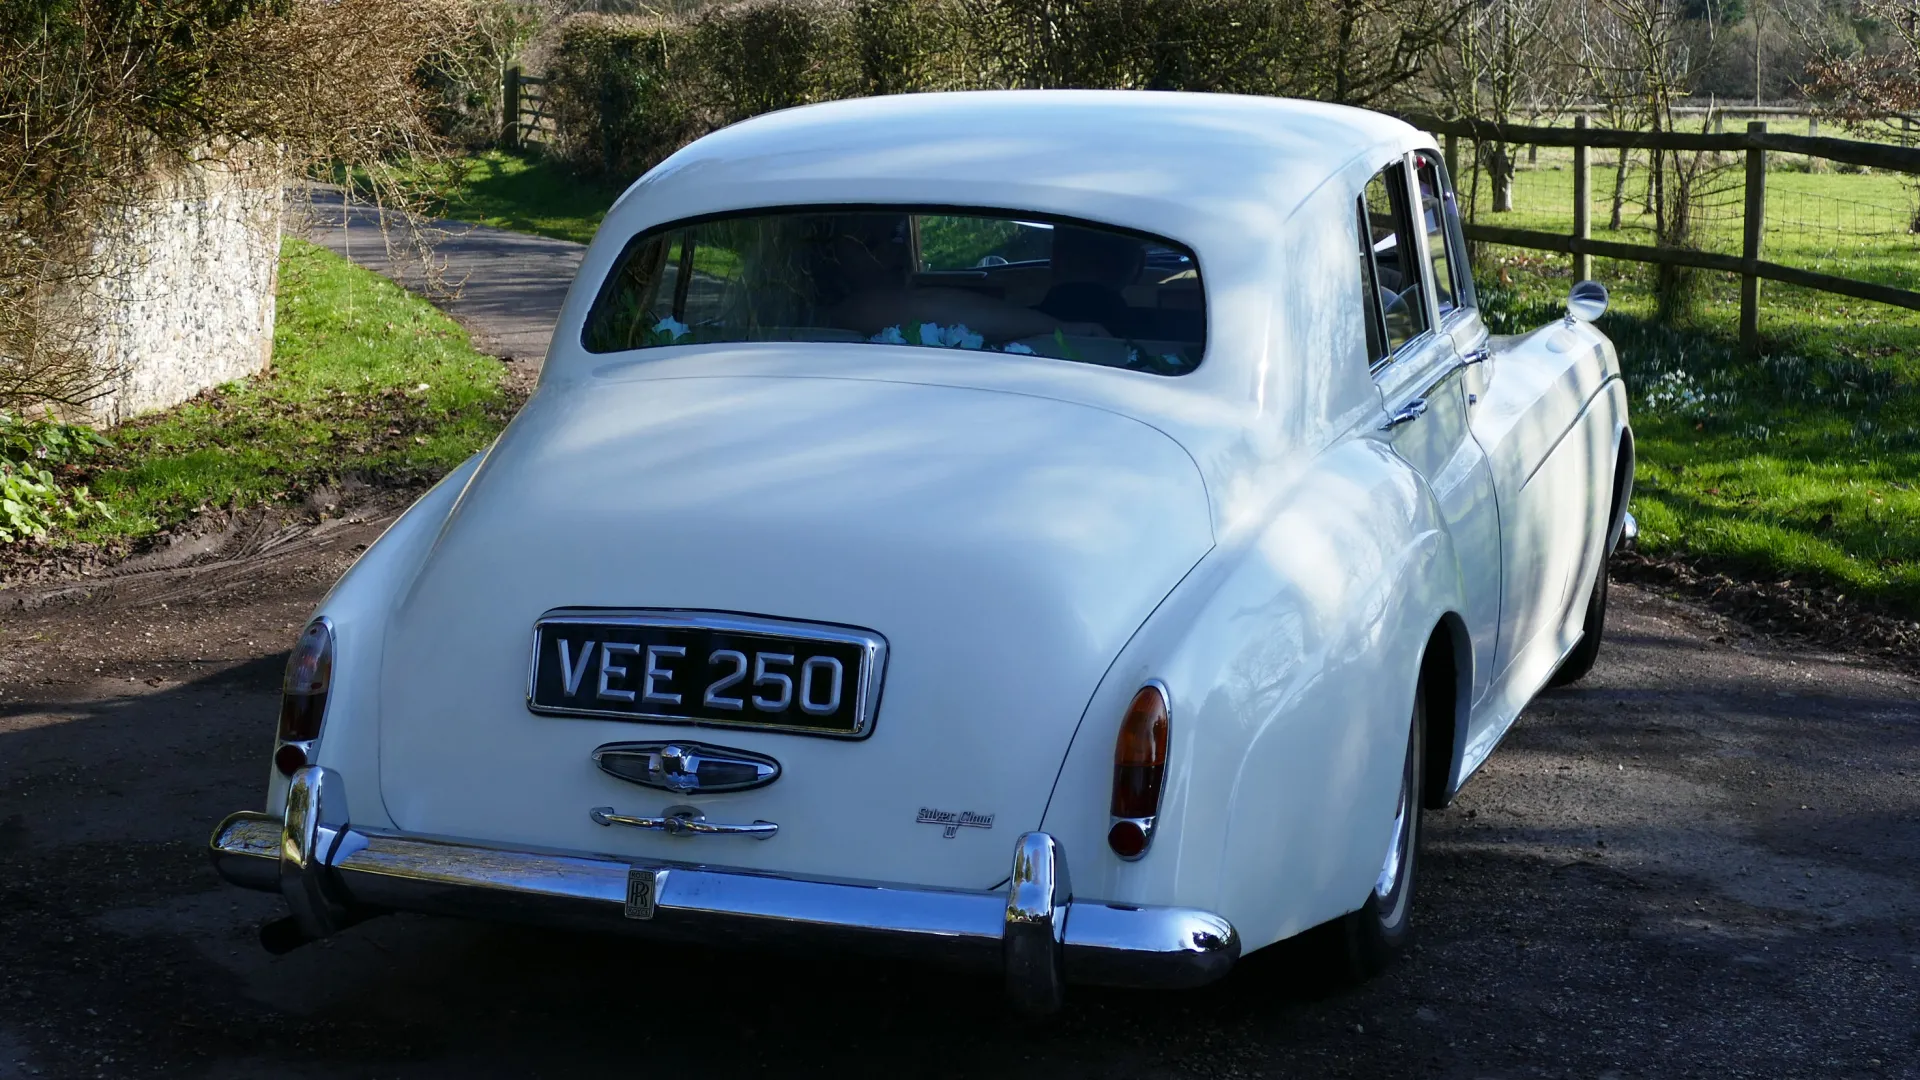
1701, 862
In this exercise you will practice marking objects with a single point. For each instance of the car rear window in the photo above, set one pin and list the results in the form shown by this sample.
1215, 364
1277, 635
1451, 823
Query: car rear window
970, 280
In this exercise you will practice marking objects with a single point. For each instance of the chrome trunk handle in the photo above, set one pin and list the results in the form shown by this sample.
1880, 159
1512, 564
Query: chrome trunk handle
1413, 410
683, 821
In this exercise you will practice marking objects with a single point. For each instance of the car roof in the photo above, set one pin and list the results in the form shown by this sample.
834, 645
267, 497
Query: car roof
1203, 169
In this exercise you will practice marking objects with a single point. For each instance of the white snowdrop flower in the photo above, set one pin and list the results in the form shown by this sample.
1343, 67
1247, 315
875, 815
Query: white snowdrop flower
671, 325
930, 333
1016, 348
959, 337
890, 336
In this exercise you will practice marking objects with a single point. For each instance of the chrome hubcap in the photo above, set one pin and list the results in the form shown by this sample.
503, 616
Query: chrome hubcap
1390, 869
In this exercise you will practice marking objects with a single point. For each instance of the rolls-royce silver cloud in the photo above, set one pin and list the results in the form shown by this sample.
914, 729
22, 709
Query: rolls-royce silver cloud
1070, 534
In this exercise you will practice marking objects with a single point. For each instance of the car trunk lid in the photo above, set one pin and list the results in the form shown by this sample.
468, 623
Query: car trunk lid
1003, 546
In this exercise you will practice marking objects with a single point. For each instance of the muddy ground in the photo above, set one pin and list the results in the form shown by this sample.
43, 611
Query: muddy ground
1703, 861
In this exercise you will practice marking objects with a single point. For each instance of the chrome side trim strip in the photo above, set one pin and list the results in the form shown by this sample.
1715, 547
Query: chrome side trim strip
684, 821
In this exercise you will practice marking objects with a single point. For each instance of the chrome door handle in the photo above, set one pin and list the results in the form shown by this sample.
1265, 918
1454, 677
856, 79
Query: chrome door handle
1414, 410
1478, 356
683, 821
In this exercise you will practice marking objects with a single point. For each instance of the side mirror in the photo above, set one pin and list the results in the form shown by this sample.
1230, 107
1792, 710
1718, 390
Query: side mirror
1587, 302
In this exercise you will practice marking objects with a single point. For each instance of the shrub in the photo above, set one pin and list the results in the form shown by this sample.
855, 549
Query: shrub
628, 91
622, 94
33, 500
763, 55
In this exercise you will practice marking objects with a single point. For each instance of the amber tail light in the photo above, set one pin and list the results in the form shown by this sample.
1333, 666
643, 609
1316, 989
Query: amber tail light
303, 695
1139, 772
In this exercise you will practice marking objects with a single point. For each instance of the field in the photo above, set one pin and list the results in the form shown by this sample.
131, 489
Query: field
1853, 224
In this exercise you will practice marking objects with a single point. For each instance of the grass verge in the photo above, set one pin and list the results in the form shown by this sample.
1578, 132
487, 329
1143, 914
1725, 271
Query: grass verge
524, 193
1802, 464
369, 386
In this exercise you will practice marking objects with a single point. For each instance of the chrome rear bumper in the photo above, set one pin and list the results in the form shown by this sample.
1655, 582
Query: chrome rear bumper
333, 875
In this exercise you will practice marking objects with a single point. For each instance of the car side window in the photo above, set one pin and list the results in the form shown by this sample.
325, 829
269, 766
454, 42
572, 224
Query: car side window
1392, 257
1436, 206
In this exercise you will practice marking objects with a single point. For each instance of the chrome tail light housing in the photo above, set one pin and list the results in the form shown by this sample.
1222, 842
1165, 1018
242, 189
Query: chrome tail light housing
1139, 771
303, 697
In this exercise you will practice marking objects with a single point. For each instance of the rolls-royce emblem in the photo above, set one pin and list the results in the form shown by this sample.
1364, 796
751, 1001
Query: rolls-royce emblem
687, 767
951, 821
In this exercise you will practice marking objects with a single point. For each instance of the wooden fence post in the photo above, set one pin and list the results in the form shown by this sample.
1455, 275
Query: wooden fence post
1582, 200
1756, 223
1452, 155
510, 110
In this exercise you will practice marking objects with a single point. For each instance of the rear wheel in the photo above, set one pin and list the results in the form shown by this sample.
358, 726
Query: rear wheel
1372, 936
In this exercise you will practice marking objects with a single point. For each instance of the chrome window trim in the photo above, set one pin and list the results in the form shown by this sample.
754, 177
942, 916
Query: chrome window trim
1409, 190
1443, 191
866, 703
1417, 225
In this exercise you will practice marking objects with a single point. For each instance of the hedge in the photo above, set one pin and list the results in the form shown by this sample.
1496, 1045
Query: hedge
626, 91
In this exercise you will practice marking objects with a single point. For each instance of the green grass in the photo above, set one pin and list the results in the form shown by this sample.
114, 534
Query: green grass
522, 193
367, 383
1802, 464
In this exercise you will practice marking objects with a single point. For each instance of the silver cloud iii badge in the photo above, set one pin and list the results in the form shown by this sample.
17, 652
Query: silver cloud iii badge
687, 767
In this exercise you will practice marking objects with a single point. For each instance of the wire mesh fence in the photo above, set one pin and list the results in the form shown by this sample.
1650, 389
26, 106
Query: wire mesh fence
1826, 223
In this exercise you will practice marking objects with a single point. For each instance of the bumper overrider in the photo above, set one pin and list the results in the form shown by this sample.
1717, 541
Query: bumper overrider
333, 875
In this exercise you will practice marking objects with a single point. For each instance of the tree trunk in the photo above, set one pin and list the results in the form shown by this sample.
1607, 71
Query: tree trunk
1619, 189
1500, 171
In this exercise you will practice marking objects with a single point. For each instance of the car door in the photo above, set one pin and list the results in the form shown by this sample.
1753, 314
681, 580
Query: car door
1415, 304
1531, 409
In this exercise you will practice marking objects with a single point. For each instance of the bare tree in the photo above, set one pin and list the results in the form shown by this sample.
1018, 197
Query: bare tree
1605, 48
1501, 58
1654, 65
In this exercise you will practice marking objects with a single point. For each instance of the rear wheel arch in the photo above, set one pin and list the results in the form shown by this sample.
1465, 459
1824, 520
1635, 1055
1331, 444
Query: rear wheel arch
1624, 460
1446, 669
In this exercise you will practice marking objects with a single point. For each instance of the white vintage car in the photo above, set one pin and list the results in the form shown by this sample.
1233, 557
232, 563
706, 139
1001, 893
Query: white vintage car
928, 495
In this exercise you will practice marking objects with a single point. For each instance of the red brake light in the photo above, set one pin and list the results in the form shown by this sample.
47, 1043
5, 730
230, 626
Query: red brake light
1139, 771
303, 694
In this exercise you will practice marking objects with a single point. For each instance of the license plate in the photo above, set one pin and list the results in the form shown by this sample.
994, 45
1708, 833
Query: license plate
708, 668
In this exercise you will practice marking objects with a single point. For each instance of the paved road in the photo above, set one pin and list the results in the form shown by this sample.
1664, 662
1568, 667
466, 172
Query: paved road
508, 286
1705, 861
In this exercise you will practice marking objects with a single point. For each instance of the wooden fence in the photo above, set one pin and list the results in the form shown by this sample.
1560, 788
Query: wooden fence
523, 110
1755, 143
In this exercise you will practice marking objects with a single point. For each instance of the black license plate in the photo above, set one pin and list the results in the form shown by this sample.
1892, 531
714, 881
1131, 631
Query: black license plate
708, 668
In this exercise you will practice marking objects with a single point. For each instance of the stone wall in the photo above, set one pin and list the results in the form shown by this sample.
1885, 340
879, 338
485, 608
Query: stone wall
184, 296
